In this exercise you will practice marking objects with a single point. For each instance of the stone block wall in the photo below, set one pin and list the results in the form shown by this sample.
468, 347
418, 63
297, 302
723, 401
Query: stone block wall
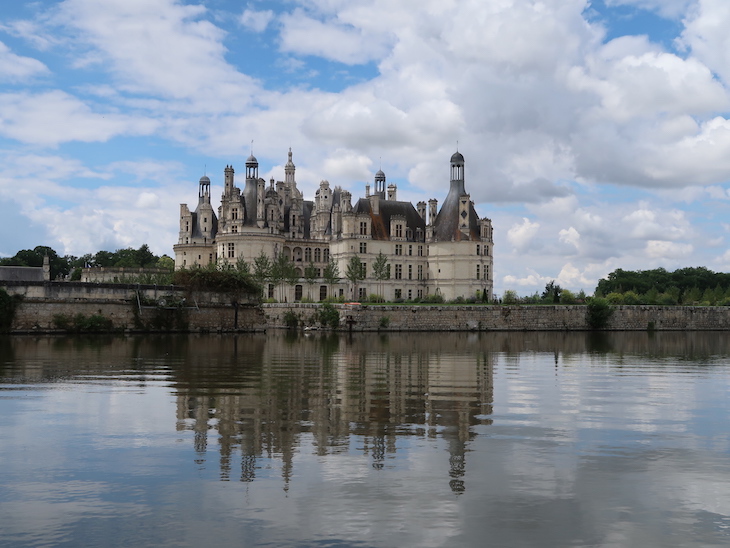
505, 318
129, 307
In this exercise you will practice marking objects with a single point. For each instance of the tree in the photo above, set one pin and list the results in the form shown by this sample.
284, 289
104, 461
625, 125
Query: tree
242, 266
261, 268
380, 270
510, 297
60, 266
552, 293
166, 262
310, 276
331, 274
354, 273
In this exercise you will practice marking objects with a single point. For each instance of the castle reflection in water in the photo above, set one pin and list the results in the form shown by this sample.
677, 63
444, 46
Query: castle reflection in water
267, 393
253, 400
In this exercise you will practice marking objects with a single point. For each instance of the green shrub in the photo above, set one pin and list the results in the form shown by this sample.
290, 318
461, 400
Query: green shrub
435, 298
328, 316
384, 322
598, 313
80, 323
8, 305
291, 320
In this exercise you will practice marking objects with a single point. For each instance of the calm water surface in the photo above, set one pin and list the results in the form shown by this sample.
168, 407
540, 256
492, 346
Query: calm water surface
522, 439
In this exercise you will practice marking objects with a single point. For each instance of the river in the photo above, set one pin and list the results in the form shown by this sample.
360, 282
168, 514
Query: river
325, 440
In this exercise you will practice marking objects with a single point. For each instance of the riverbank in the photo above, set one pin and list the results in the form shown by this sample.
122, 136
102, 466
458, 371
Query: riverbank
56, 307
362, 317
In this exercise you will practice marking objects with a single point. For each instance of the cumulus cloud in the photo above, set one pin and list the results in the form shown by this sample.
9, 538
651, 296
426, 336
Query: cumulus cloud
520, 235
256, 21
55, 117
304, 35
579, 150
15, 68
659, 249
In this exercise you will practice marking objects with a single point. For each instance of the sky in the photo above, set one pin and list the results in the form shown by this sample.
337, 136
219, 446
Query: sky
596, 134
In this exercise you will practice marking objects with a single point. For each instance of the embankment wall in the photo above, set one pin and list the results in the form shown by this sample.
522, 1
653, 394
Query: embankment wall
130, 307
505, 318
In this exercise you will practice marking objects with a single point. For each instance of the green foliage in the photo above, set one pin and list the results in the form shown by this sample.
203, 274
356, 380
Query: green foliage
71, 265
434, 298
567, 297
211, 279
261, 268
652, 283
8, 305
552, 292
375, 298
384, 322
328, 316
80, 323
291, 320
34, 257
510, 297
331, 273
598, 313
354, 272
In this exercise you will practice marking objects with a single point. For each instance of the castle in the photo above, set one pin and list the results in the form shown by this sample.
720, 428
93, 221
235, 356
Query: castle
428, 251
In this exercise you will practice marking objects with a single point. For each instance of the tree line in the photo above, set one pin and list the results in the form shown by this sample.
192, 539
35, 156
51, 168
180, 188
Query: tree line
686, 286
69, 266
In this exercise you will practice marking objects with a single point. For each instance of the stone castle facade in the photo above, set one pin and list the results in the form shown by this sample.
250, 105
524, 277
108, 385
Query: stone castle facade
446, 251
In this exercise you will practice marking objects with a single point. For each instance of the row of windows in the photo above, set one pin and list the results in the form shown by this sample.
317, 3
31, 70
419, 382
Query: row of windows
320, 255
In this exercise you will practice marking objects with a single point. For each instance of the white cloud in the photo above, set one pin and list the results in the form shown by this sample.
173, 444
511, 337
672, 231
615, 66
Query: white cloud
256, 21
659, 249
570, 236
55, 117
15, 68
332, 40
520, 235
706, 35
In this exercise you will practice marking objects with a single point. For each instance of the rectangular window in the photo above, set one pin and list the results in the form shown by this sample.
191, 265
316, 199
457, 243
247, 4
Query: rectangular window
231, 250
363, 228
398, 272
486, 272
317, 255
398, 249
410, 272
308, 254
363, 247
362, 293
410, 250
399, 231
420, 293
420, 251
322, 292
271, 291
364, 270
410, 294
326, 255
234, 213
478, 276
420, 271
234, 229
398, 293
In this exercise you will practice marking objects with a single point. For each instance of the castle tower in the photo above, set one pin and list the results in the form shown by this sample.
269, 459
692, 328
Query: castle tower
380, 184
289, 170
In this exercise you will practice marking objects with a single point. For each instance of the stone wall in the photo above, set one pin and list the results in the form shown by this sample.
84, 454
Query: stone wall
130, 307
505, 318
